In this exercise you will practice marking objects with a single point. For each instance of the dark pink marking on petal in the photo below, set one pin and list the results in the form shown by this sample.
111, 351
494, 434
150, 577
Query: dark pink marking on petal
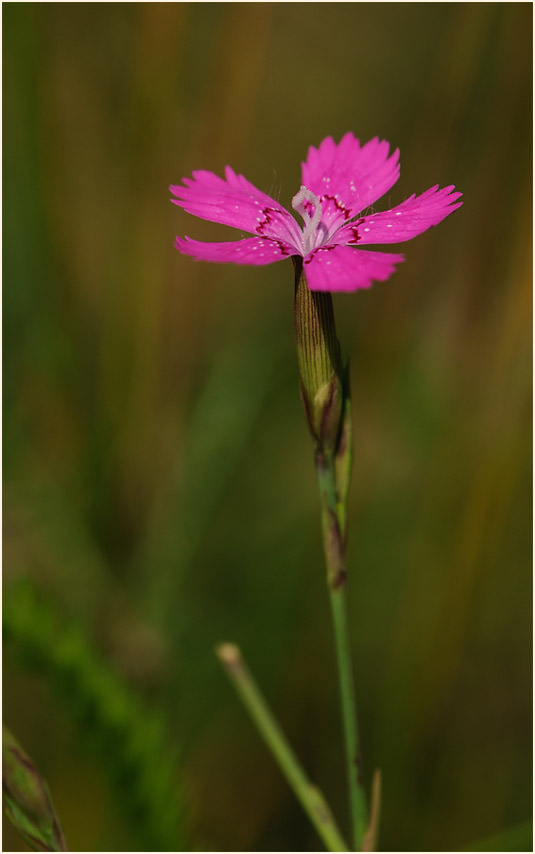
314, 252
352, 231
269, 216
338, 205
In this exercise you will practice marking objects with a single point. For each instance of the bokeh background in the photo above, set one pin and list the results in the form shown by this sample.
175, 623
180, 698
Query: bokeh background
159, 492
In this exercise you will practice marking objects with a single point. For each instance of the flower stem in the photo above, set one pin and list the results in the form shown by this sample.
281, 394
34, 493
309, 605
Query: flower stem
312, 800
326, 399
334, 545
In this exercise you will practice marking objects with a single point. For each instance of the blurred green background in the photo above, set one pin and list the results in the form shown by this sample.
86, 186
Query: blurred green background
159, 492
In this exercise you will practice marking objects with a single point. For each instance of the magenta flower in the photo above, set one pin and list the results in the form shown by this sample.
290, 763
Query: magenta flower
339, 183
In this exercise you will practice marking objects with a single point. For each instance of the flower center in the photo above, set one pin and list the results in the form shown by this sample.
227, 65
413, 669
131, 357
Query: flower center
311, 221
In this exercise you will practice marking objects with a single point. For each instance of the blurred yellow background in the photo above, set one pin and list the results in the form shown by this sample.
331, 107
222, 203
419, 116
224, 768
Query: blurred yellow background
159, 492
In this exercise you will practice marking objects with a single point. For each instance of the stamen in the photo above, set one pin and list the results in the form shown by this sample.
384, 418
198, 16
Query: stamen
311, 222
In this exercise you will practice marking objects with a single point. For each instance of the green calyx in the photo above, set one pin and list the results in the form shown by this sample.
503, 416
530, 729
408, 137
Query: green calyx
318, 353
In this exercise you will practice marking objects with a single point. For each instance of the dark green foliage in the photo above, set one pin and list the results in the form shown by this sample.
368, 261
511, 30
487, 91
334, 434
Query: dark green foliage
131, 739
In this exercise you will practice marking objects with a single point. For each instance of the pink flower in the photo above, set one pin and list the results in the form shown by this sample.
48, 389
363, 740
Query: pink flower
339, 183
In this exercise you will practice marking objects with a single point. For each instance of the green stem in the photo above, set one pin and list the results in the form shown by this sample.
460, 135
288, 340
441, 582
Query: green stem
334, 544
311, 798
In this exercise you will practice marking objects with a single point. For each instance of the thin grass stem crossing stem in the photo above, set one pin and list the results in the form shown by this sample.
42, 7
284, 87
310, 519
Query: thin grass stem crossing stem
311, 798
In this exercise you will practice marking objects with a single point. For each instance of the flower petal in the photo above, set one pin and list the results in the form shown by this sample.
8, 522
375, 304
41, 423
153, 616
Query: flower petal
233, 200
251, 250
343, 268
409, 219
348, 177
